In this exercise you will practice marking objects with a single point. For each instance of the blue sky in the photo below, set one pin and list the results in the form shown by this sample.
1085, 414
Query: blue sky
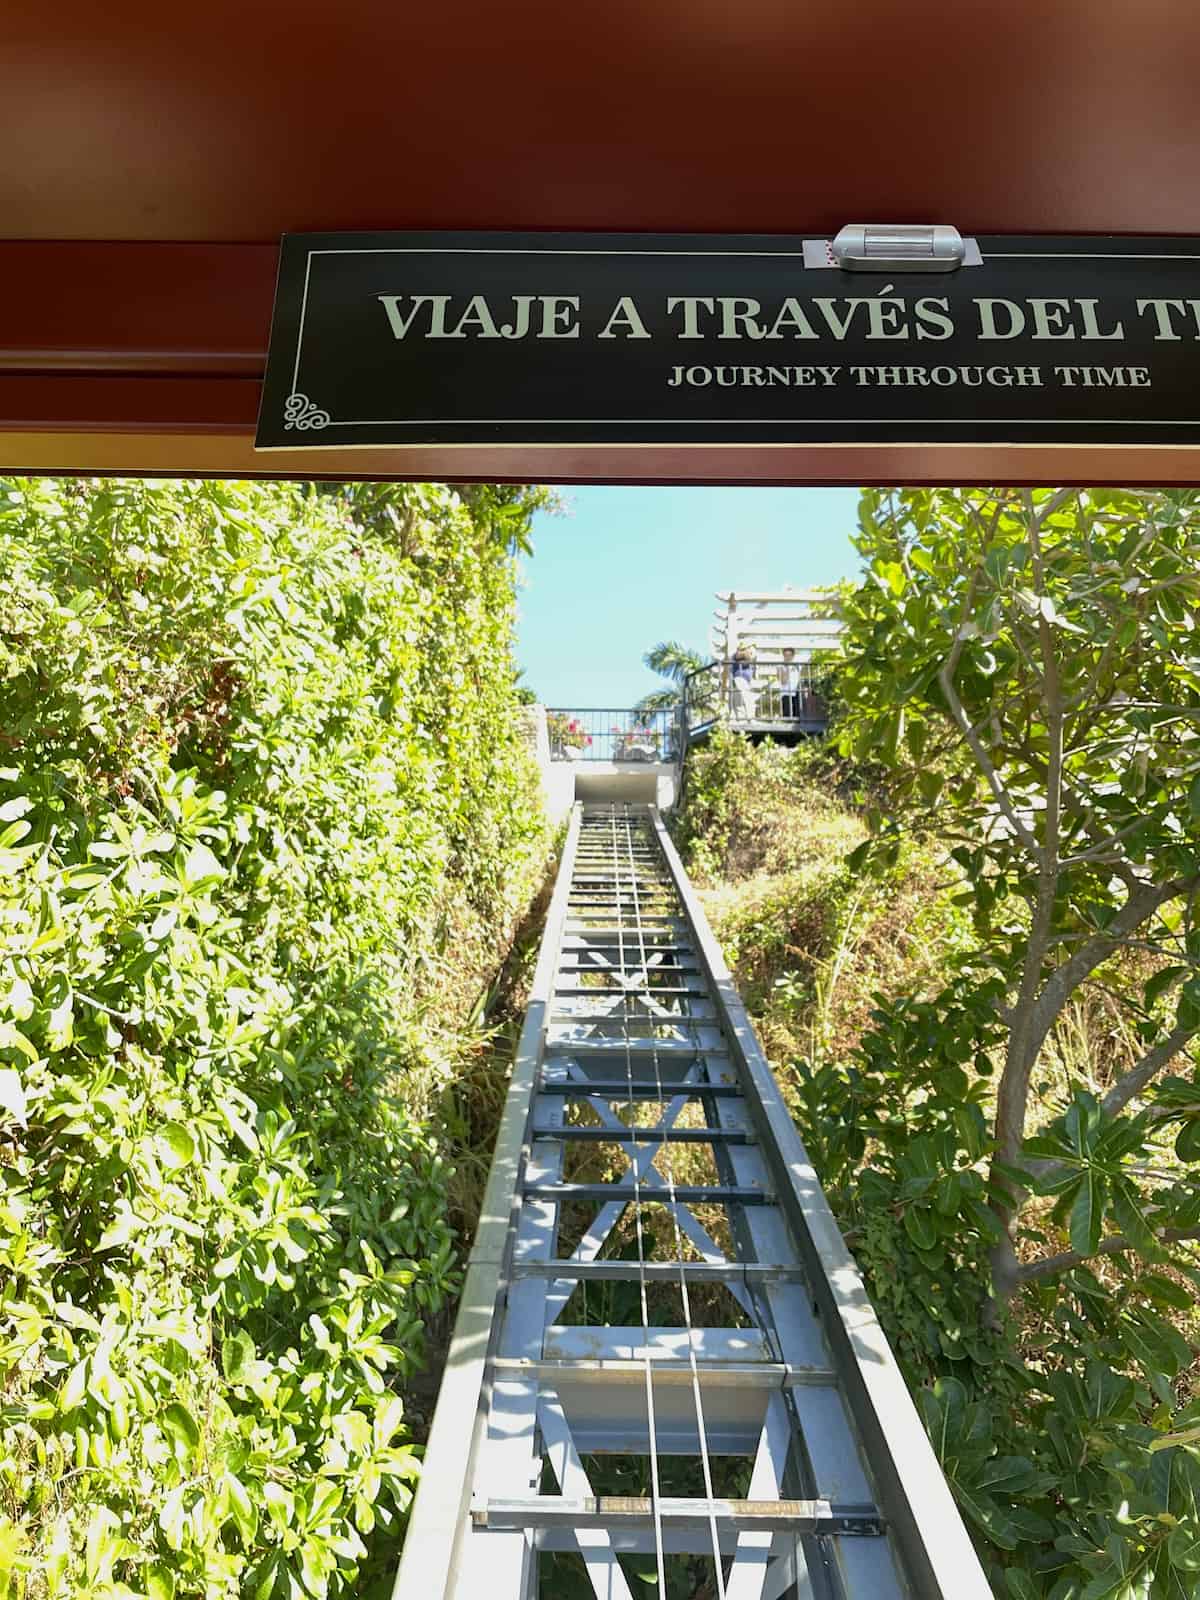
623, 568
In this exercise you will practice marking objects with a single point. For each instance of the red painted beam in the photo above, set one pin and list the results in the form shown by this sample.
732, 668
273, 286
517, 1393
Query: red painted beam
194, 309
242, 119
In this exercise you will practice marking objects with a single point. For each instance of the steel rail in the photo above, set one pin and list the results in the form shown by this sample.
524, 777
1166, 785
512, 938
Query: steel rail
441, 1515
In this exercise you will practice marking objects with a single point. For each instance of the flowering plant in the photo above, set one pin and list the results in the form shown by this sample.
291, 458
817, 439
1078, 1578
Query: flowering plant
566, 732
630, 739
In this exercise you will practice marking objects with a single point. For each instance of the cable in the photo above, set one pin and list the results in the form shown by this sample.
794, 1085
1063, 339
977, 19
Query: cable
655, 1495
683, 1289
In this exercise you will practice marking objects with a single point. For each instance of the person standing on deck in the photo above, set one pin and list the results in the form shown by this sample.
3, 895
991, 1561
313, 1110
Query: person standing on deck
741, 684
732, 630
788, 675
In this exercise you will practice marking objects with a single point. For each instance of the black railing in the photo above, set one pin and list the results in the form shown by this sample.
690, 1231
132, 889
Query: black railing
621, 735
763, 692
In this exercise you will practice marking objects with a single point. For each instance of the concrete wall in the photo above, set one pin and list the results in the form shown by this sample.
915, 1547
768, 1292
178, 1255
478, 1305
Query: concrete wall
564, 782
644, 782
558, 788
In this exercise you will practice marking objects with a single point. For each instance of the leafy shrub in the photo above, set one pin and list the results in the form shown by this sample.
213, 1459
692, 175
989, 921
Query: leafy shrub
263, 808
752, 808
1054, 1424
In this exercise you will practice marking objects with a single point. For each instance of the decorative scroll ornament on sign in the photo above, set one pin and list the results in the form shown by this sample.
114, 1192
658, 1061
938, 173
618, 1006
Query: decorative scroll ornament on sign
300, 412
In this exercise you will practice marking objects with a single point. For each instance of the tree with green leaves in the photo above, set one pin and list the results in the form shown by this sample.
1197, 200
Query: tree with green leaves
1021, 668
675, 662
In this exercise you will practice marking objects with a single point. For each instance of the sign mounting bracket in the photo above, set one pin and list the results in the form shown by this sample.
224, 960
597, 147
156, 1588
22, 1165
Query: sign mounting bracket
894, 247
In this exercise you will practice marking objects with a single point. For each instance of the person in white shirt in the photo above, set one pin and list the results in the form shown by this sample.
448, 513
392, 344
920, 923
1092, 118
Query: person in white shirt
788, 675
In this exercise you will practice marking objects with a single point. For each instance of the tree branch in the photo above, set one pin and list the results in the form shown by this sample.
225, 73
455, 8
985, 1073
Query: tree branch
1097, 852
982, 760
1138, 908
946, 672
1024, 1042
1124, 1090
1055, 993
1184, 713
1136, 1079
1034, 1271
1055, 503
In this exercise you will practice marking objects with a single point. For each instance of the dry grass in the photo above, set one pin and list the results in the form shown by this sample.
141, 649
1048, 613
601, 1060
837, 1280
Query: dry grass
810, 948
768, 832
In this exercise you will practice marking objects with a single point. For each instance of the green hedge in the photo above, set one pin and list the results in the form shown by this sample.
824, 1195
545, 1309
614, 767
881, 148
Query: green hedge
264, 815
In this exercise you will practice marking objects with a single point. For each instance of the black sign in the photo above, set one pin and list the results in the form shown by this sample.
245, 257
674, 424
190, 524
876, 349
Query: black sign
495, 338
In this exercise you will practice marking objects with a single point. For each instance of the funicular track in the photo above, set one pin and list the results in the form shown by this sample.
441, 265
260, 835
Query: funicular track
665, 1371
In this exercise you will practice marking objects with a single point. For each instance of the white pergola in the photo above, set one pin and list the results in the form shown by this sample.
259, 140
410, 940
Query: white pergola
775, 620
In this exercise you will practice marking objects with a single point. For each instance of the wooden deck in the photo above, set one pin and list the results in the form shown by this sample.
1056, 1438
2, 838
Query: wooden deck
787, 730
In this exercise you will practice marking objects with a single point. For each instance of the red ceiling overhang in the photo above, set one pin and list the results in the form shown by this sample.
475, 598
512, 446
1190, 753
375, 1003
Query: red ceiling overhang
150, 157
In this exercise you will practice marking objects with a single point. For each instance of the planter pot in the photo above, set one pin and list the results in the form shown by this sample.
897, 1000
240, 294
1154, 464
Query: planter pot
573, 753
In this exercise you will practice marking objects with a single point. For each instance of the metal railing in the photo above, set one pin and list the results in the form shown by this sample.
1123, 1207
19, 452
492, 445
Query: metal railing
766, 692
622, 735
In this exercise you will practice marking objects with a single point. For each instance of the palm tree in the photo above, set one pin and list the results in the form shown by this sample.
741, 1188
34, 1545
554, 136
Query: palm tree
673, 661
